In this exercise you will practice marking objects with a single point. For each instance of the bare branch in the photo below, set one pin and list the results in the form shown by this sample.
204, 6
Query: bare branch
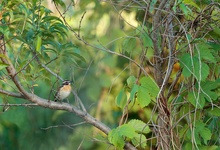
16, 105
7, 105
18, 95
65, 125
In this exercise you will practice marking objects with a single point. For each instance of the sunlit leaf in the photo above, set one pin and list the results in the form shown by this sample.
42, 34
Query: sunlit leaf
127, 131
131, 81
2, 66
61, 3
38, 45
139, 140
116, 139
192, 3
116, 136
139, 126
143, 97
147, 91
150, 85
121, 99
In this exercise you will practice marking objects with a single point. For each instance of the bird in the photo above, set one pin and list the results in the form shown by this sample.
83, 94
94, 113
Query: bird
63, 91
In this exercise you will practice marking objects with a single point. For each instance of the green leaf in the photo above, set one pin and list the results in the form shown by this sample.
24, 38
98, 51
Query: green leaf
51, 19
190, 2
29, 35
61, 3
143, 97
150, 85
121, 99
38, 45
139, 140
4, 30
133, 92
207, 90
116, 139
131, 81
214, 112
206, 134
147, 41
215, 33
116, 136
144, 37
129, 44
139, 126
127, 131
152, 3
209, 85
202, 131
205, 52
192, 66
147, 91
2, 66
186, 63
204, 70
213, 147
206, 94
4, 56
132, 87
77, 55
185, 9
183, 130
195, 101
188, 146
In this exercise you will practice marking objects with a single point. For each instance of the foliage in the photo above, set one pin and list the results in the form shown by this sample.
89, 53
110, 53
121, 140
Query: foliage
133, 130
148, 71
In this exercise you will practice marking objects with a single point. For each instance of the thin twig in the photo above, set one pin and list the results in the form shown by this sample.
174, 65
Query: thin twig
65, 125
18, 95
17, 105
80, 23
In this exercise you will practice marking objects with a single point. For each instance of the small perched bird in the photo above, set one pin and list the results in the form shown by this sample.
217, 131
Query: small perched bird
63, 91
